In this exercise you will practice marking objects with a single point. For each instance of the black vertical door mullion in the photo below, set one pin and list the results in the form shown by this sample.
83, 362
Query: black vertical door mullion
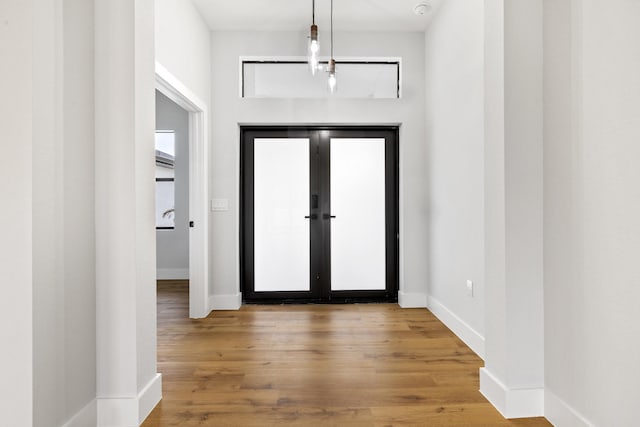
315, 222
392, 185
324, 166
247, 255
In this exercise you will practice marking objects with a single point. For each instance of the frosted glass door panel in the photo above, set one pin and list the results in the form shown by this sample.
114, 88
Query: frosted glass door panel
281, 201
358, 250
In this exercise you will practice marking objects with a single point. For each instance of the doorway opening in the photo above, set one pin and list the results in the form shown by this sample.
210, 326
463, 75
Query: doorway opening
197, 176
319, 214
172, 191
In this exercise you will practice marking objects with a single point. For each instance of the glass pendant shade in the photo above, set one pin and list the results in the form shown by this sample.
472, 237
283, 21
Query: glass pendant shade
332, 83
313, 49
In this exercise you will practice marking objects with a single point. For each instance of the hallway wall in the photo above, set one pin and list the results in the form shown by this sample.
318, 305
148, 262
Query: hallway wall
64, 274
229, 111
16, 246
182, 45
52, 310
454, 76
592, 212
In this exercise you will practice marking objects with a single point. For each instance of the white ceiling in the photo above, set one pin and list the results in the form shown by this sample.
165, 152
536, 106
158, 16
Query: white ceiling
295, 15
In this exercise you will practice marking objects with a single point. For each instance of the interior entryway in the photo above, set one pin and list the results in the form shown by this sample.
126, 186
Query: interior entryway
172, 190
194, 154
319, 214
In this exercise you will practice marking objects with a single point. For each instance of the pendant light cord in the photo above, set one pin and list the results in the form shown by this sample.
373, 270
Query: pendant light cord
331, 29
313, 12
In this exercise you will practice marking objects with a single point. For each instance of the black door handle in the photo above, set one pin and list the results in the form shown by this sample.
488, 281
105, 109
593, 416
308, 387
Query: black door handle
327, 216
312, 216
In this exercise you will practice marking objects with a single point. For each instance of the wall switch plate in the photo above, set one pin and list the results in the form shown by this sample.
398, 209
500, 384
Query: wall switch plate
219, 205
470, 288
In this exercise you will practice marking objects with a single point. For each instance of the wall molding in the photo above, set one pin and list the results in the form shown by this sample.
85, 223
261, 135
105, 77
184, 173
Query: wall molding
559, 413
462, 329
129, 411
172, 274
412, 300
511, 403
149, 397
225, 302
87, 416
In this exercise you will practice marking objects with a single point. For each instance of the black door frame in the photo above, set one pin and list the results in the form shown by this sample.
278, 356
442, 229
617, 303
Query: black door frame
320, 273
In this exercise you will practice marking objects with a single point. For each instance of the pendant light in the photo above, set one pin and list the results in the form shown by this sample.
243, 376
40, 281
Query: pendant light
313, 44
331, 67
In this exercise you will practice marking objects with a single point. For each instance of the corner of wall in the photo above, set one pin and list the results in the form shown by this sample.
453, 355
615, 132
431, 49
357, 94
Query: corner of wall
511, 403
462, 329
87, 416
128, 411
412, 300
225, 302
559, 413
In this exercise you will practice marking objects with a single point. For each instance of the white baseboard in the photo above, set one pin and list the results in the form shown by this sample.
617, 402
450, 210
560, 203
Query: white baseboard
130, 411
117, 412
149, 397
463, 330
225, 302
412, 300
511, 403
560, 414
87, 416
172, 274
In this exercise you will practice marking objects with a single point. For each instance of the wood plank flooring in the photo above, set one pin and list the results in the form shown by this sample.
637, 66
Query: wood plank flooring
315, 365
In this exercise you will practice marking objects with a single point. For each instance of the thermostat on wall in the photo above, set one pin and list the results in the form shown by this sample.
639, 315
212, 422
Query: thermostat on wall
219, 205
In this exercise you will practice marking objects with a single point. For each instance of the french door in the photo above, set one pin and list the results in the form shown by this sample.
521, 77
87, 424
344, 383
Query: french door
319, 214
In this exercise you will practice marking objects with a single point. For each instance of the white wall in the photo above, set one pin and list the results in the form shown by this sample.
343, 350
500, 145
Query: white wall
524, 193
592, 212
16, 109
172, 246
182, 45
63, 220
48, 126
454, 44
229, 110
513, 377
128, 385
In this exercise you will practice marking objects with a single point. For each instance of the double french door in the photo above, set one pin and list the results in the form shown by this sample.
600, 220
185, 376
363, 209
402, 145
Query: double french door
319, 214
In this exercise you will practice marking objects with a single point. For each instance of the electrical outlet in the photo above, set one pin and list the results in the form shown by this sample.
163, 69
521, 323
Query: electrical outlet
470, 288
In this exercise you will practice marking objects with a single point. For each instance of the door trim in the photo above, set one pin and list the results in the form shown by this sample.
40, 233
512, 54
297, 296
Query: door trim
392, 173
173, 89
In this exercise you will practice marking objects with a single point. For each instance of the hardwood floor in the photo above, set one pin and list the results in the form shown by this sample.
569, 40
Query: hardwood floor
315, 365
